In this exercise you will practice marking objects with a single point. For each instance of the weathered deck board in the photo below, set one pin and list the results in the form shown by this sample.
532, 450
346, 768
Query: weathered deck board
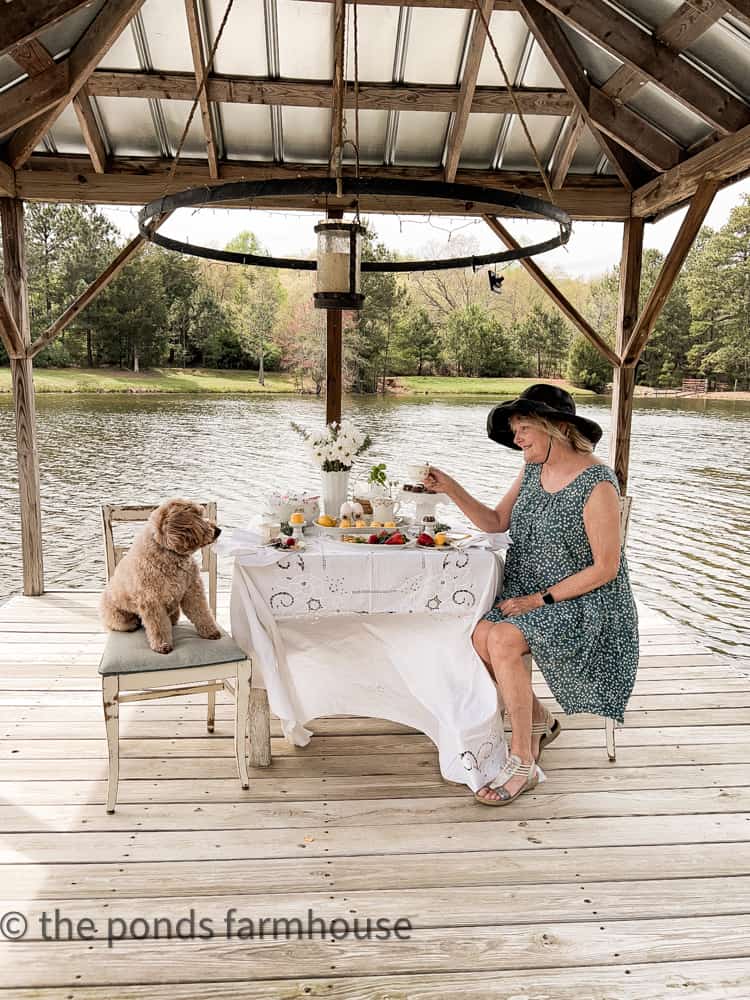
596, 885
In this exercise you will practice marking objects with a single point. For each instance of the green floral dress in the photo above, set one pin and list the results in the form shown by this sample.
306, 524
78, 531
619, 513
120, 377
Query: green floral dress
587, 647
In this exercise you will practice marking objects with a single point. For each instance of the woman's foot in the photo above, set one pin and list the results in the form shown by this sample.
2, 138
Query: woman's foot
515, 776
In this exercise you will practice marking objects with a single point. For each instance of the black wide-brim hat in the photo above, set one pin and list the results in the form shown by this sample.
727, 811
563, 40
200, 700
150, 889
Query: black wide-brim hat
540, 400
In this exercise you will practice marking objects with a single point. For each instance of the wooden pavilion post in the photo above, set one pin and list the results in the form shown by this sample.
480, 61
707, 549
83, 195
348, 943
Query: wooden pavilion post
16, 292
623, 385
334, 372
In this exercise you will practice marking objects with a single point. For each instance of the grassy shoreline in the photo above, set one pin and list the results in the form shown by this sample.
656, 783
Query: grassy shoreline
213, 382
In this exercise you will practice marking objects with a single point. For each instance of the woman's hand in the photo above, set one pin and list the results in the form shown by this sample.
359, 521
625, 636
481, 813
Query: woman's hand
520, 605
439, 481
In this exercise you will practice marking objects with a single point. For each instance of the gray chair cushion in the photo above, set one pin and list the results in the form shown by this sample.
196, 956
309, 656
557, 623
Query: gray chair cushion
129, 652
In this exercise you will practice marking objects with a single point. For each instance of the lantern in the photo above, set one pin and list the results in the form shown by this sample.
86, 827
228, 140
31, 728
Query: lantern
339, 254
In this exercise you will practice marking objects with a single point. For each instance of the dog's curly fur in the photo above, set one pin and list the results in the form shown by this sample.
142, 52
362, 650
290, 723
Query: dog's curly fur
158, 576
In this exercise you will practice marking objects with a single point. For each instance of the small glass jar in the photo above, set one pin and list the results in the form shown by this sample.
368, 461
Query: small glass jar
428, 525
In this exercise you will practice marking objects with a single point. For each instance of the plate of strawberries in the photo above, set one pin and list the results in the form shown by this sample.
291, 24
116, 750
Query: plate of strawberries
394, 539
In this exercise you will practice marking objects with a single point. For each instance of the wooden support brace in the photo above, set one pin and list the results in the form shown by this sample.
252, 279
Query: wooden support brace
562, 303
691, 224
95, 288
9, 332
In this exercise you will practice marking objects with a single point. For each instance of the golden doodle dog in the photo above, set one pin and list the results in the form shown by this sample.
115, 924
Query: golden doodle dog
158, 576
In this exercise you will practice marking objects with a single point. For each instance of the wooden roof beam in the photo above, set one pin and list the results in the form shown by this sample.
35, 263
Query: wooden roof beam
468, 86
136, 180
33, 97
654, 60
563, 304
196, 47
565, 149
723, 161
23, 20
80, 64
679, 31
691, 224
739, 9
319, 93
560, 53
35, 59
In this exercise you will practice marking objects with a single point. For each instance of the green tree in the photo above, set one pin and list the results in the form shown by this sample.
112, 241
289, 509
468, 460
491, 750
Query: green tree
258, 295
718, 281
418, 342
664, 361
544, 338
588, 368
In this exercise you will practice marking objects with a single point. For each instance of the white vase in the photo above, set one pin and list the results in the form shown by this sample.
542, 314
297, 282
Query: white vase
335, 490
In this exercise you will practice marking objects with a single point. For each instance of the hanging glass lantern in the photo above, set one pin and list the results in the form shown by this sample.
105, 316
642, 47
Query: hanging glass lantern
339, 256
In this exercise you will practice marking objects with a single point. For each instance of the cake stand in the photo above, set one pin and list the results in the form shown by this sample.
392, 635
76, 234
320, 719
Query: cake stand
424, 503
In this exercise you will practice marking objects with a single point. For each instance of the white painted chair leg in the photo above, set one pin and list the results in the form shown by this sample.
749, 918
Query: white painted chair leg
260, 728
110, 692
609, 728
241, 709
211, 717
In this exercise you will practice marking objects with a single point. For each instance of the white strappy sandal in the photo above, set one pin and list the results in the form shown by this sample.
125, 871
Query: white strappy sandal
547, 731
513, 767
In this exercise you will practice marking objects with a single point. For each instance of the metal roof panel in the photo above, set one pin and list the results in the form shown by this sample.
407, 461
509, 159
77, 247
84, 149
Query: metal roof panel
421, 138
307, 134
436, 43
242, 49
372, 130
247, 131
305, 39
509, 32
64, 34
167, 35
129, 126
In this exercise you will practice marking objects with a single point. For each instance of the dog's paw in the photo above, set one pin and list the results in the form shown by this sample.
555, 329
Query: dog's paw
214, 633
163, 647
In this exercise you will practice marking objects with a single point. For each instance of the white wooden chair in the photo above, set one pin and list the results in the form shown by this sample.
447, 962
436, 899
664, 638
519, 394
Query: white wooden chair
131, 671
609, 724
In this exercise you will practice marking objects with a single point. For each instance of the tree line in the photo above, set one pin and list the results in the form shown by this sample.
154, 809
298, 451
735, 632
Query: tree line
165, 309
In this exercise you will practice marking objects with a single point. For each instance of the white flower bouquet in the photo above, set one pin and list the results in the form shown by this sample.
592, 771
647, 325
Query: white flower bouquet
336, 448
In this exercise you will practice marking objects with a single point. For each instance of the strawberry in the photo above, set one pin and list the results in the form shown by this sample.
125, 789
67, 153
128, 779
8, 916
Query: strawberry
425, 539
289, 543
373, 540
397, 539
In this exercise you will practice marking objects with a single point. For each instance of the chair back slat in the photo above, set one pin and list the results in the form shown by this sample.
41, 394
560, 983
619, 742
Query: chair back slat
139, 513
625, 505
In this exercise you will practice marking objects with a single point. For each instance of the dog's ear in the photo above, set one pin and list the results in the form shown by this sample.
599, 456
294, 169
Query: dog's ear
179, 526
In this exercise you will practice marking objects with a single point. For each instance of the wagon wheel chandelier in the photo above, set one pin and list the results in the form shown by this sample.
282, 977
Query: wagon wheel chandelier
338, 262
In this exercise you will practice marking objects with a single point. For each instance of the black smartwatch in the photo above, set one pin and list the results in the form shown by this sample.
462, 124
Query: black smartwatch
547, 597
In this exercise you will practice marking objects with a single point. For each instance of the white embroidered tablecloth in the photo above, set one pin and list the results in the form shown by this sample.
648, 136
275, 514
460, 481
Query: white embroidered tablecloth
352, 630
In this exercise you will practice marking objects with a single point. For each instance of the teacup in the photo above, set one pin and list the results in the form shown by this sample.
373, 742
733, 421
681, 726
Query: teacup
384, 508
417, 472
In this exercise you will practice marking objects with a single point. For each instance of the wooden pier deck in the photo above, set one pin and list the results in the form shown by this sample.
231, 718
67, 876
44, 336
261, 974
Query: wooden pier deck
626, 880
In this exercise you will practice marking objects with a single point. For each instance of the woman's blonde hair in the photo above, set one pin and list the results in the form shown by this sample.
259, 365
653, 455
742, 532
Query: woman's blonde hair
560, 430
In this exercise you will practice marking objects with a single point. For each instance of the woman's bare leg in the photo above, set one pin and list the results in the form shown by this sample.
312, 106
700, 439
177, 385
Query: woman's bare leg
480, 640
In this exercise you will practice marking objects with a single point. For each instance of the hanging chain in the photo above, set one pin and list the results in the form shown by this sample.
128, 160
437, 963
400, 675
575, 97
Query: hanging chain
201, 87
514, 100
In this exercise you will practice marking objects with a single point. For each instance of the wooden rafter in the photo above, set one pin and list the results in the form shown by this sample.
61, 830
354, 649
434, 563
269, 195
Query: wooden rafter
80, 64
196, 46
637, 135
691, 224
565, 149
35, 59
680, 30
654, 60
560, 53
134, 181
466, 93
723, 161
23, 20
560, 300
336, 151
29, 100
319, 94
95, 288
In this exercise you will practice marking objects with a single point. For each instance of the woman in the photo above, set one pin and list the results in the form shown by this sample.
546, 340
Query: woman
566, 596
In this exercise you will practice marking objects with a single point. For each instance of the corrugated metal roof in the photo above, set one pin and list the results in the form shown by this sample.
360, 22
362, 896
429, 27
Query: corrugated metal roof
293, 39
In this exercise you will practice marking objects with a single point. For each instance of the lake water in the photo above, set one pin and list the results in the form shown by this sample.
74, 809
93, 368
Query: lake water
690, 479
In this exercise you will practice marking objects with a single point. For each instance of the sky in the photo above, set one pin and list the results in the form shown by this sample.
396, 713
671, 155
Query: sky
593, 248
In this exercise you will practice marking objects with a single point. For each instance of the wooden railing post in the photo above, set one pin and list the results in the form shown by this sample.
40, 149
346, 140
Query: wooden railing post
16, 293
623, 386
